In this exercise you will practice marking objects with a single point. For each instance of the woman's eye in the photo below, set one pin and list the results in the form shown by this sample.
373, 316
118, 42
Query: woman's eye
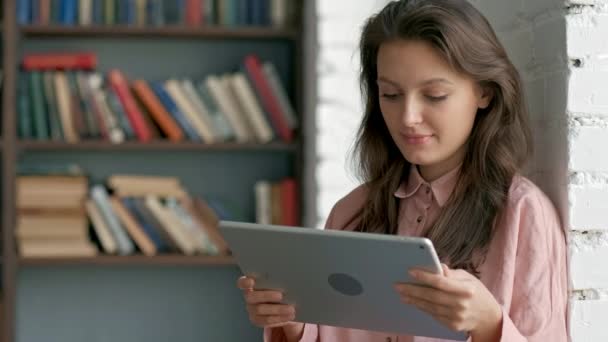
390, 96
436, 98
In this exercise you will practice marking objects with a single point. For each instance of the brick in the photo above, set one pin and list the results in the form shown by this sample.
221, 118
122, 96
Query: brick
339, 60
340, 88
588, 206
587, 92
337, 9
586, 34
586, 148
339, 32
585, 250
588, 320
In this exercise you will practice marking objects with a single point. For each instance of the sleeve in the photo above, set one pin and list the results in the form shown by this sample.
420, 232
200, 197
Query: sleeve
310, 334
311, 331
540, 296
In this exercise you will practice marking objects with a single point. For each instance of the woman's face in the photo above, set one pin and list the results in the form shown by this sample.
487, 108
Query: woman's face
428, 107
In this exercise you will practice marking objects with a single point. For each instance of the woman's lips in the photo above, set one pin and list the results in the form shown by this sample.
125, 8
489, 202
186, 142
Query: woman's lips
417, 139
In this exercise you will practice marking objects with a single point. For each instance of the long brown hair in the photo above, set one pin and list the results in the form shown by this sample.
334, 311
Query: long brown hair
496, 150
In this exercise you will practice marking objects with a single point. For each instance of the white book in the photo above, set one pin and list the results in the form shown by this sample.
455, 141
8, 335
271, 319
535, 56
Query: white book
203, 243
101, 198
220, 93
108, 243
171, 224
175, 91
263, 209
85, 14
201, 110
278, 13
250, 107
220, 121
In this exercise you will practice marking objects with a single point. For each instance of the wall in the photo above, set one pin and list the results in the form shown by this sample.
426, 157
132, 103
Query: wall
561, 50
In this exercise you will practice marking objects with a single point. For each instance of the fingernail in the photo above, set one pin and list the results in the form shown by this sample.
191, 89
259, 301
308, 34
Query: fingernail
414, 273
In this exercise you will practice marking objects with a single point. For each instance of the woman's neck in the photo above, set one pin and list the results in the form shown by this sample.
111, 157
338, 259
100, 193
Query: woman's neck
435, 171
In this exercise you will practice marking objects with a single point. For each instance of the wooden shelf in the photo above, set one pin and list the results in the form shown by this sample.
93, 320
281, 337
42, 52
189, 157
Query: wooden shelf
211, 32
133, 260
27, 145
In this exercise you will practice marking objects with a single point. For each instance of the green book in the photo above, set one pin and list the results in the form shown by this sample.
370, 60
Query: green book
41, 124
24, 113
109, 12
51, 106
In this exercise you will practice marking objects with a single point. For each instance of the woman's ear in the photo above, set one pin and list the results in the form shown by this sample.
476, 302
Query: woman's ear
486, 95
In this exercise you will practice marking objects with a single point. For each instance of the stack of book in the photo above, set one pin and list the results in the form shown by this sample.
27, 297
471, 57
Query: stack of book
61, 98
156, 13
51, 219
61, 215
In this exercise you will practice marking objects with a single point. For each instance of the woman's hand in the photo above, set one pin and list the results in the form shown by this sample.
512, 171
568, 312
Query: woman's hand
266, 311
457, 299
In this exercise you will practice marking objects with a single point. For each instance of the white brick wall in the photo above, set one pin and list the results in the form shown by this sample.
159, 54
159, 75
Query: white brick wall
587, 112
560, 48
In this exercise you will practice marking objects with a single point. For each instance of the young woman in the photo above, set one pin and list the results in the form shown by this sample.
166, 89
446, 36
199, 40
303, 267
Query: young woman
440, 148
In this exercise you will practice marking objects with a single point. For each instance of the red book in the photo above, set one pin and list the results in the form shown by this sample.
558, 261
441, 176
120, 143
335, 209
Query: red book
194, 15
60, 61
289, 202
267, 97
121, 87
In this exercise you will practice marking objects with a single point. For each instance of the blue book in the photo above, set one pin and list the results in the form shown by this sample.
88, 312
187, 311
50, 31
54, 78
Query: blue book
131, 12
98, 12
24, 12
255, 12
35, 8
150, 231
264, 12
69, 12
155, 13
171, 106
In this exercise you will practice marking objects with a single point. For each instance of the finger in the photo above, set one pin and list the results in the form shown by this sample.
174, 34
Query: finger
273, 321
446, 269
245, 283
271, 310
433, 309
259, 297
427, 293
452, 324
446, 284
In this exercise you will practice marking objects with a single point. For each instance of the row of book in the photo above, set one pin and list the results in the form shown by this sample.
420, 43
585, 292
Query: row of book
63, 216
156, 13
60, 98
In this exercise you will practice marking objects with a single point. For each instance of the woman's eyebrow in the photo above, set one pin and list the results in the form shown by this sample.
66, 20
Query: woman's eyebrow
422, 83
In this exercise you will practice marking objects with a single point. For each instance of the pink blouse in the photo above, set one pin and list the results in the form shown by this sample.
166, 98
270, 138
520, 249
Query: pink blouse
525, 268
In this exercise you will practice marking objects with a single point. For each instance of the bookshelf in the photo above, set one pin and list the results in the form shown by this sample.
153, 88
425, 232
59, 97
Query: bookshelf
157, 298
134, 260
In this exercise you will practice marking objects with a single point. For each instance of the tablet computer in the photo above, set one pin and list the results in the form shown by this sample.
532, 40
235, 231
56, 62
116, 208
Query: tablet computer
338, 278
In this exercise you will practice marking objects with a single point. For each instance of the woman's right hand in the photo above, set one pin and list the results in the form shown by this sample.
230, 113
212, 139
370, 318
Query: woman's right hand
266, 310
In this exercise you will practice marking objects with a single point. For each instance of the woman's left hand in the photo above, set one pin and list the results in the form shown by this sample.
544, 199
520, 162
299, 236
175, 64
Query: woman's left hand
457, 299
